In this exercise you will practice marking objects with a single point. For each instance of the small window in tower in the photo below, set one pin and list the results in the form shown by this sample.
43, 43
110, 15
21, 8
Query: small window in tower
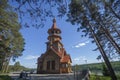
59, 48
52, 32
56, 31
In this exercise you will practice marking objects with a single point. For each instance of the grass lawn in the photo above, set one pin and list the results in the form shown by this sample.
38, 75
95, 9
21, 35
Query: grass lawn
5, 77
96, 77
118, 77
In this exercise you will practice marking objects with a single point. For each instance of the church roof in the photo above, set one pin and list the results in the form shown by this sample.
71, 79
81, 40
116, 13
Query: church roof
54, 26
65, 59
63, 55
56, 52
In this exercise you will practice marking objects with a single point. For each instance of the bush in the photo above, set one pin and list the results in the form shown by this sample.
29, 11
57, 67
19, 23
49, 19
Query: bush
97, 77
5, 77
118, 77
105, 71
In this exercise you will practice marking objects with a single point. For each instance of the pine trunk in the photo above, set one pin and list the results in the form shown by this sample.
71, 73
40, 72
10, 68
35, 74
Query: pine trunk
112, 73
110, 38
7, 65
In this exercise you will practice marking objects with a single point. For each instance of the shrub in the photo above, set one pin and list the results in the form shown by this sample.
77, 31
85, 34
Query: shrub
5, 77
105, 71
98, 77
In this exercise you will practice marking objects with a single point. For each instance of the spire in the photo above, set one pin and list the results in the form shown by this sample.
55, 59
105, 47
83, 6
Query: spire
54, 28
54, 24
54, 20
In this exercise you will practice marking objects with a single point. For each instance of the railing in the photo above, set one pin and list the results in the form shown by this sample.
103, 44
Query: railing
82, 75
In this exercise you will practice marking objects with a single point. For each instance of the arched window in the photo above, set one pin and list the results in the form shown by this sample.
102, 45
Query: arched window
48, 65
53, 65
56, 32
52, 32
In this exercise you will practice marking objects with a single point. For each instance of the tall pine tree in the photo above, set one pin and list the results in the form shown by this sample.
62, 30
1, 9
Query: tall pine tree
12, 42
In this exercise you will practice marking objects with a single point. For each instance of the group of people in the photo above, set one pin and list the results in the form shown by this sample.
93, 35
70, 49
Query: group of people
23, 74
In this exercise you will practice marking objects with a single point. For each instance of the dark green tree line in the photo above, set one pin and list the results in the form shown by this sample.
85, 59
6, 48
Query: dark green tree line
17, 66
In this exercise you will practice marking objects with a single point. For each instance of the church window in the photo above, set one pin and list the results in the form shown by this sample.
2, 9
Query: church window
66, 65
48, 65
52, 32
53, 65
56, 31
41, 67
59, 48
63, 66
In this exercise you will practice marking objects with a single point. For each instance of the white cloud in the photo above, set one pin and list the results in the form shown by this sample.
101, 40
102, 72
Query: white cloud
76, 59
29, 57
79, 60
87, 42
81, 44
83, 58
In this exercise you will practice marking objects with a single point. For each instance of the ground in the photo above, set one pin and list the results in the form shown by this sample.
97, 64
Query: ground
46, 76
79, 75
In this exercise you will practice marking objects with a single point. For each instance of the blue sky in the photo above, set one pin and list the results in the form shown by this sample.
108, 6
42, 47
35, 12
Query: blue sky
80, 48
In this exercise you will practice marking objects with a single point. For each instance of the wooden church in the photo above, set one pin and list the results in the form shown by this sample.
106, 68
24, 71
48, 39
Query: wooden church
55, 59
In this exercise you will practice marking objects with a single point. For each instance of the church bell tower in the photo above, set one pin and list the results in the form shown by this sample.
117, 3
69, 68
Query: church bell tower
54, 38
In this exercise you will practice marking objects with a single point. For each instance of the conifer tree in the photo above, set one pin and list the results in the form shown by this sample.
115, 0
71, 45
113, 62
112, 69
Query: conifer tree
12, 42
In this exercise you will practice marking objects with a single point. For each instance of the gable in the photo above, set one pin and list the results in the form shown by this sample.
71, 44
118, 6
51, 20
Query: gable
52, 53
66, 59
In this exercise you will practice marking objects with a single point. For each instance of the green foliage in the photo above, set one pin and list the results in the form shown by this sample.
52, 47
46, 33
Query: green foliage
96, 24
5, 77
118, 76
18, 67
91, 13
38, 11
98, 67
96, 77
105, 71
12, 42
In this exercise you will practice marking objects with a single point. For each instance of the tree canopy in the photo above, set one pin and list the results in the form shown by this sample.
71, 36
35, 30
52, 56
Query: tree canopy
11, 40
38, 10
102, 15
